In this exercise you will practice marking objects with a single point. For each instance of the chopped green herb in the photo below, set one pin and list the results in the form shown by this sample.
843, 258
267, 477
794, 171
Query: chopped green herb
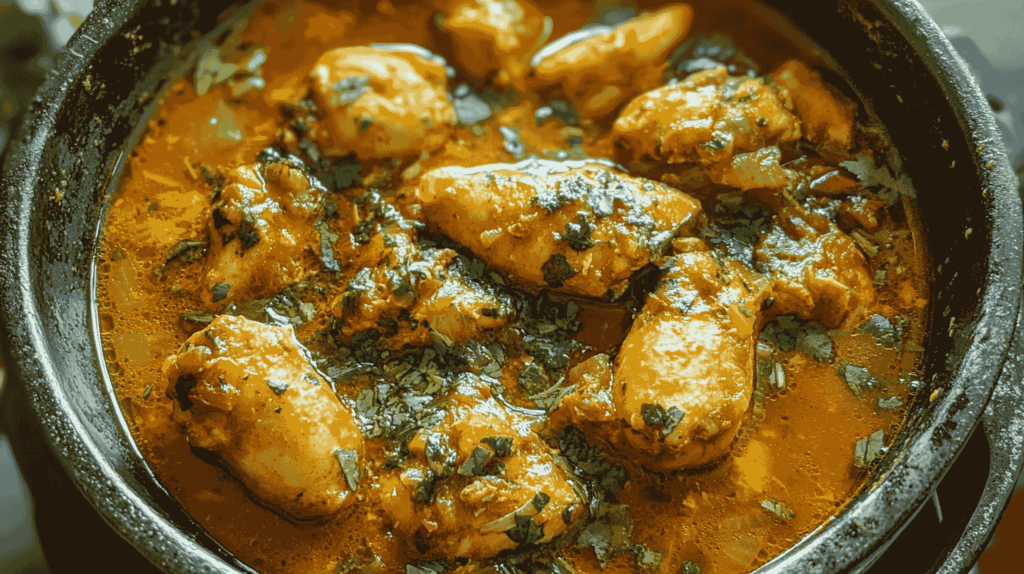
153, 206
327, 238
248, 234
815, 342
656, 415
883, 330
533, 379
424, 568
424, 493
117, 254
868, 449
689, 567
502, 445
279, 387
863, 240
609, 534
648, 559
441, 458
557, 270
590, 459
349, 461
147, 391
476, 461
213, 179
578, 234
188, 250
526, 531
442, 344
891, 403
220, 291
778, 509
857, 378
880, 277
201, 317
213, 338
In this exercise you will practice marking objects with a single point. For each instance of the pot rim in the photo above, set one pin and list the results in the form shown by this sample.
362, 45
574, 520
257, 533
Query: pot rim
26, 351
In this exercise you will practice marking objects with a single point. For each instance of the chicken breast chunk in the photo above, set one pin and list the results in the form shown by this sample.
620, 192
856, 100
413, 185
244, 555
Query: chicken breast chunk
827, 114
262, 230
819, 272
604, 71
684, 374
380, 103
495, 39
414, 295
678, 391
709, 118
480, 483
246, 392
575, 227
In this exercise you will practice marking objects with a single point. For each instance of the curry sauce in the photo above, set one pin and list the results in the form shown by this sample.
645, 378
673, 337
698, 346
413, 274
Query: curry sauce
491, 286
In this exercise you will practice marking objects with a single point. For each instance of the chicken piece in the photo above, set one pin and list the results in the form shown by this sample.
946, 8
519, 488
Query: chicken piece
412, 292
590, 402
827, 114
481, 482
602, 72
683, 378
819, 272
575, 227
709, 118
380, 103
495, 39
753, 170
247, 392
262, 230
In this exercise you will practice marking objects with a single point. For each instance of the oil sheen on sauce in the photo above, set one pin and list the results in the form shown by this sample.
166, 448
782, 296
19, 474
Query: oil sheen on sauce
791, 466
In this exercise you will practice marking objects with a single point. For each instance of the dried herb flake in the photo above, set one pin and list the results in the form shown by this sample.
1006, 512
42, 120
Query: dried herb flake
656, 415
526, 531
502, 445
349, 462
188, 250
891, 403
201, 317
578, 233
868, 449
557, 270
220, 291
476, 461
778, 509
279, 387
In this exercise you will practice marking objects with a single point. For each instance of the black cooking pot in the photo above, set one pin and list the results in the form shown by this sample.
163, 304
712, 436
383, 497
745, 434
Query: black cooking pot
59, 173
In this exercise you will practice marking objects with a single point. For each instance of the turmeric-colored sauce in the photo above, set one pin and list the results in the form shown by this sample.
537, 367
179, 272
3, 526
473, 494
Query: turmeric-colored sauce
424, 286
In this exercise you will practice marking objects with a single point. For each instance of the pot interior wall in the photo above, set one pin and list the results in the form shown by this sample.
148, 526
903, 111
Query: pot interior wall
78, 139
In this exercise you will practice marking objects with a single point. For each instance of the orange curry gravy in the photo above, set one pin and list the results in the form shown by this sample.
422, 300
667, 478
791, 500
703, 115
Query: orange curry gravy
735, 387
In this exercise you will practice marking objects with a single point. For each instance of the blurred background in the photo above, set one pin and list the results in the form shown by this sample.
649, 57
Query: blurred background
989, 34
